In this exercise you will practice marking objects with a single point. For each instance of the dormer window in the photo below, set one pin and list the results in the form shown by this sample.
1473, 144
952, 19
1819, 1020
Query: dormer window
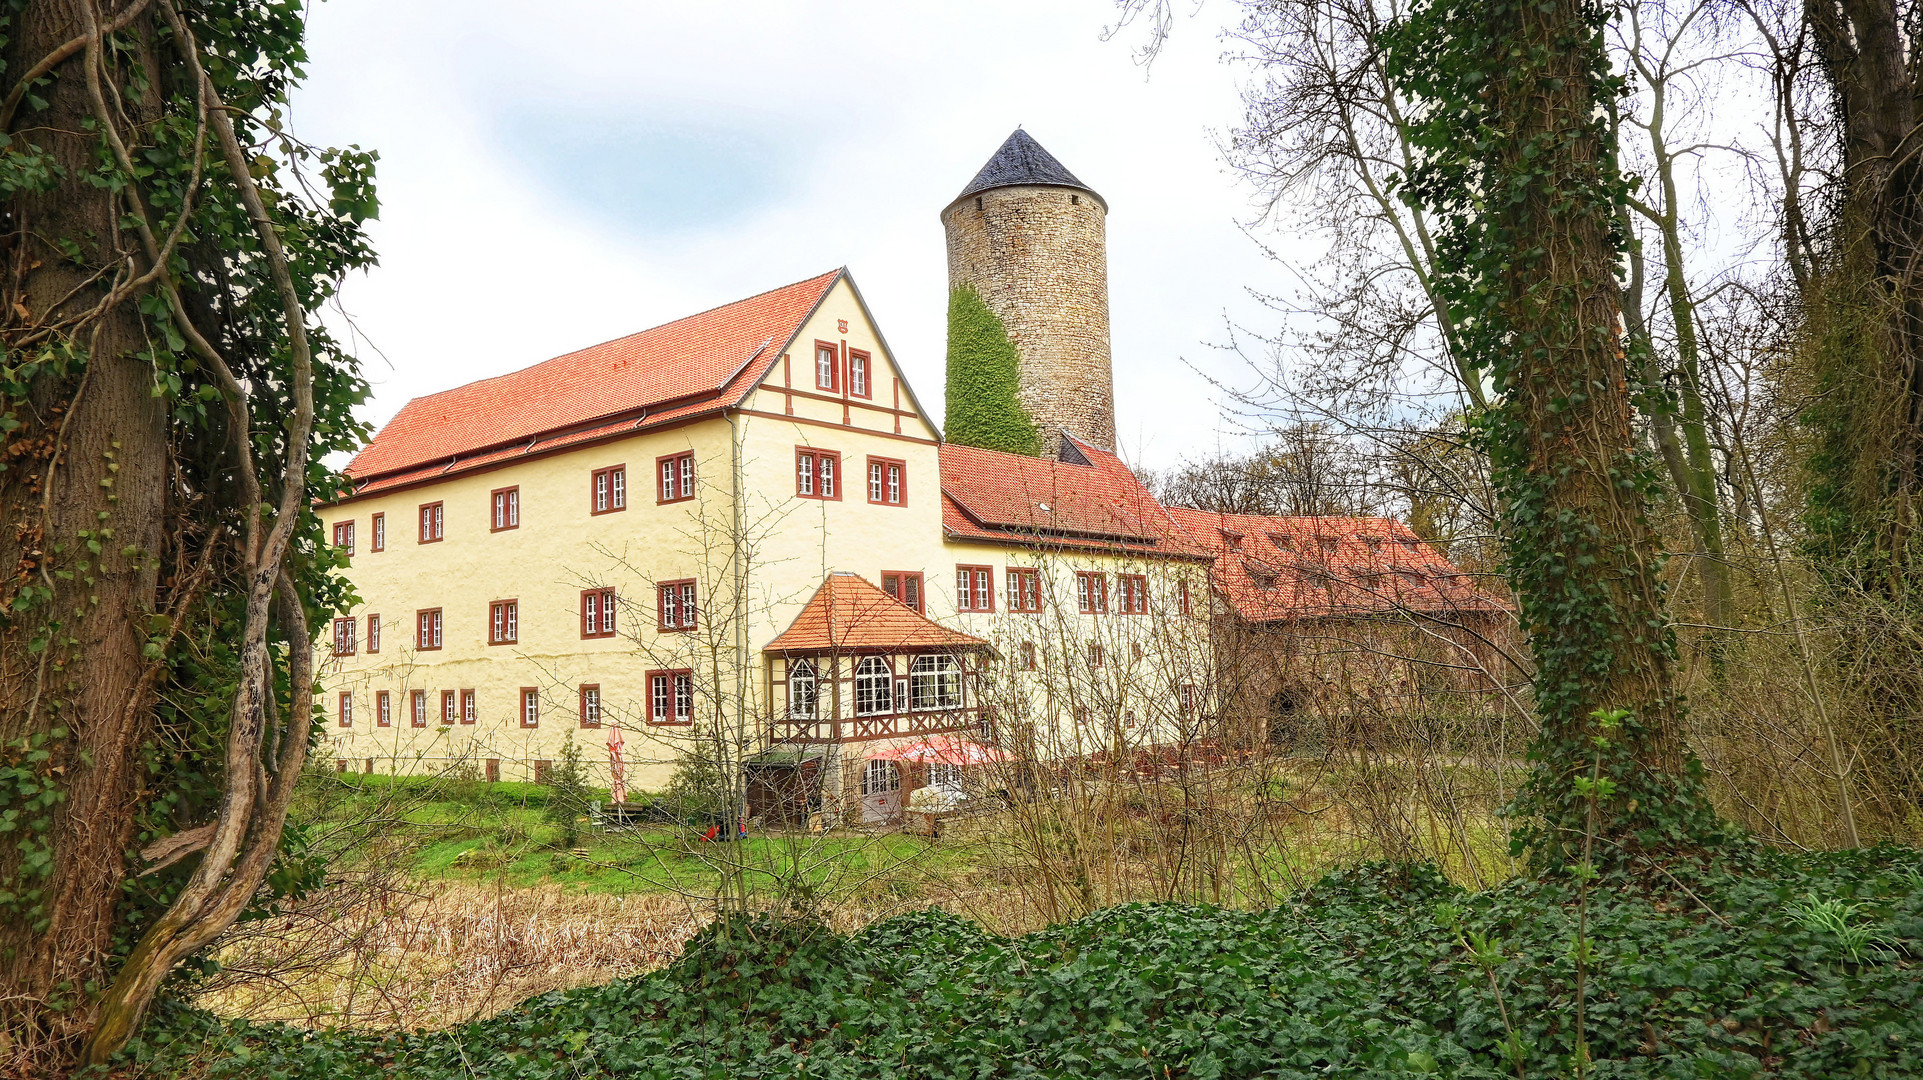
1328, 544
1281, 542
1232, 539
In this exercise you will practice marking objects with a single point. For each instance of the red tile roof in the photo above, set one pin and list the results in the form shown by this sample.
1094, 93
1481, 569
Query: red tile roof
848, 613
1275, 568
675, 370
1002, 498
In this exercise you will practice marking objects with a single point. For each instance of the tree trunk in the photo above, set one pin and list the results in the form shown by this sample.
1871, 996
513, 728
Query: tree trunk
1864, 333
85, 495
1583, 556
1878, 276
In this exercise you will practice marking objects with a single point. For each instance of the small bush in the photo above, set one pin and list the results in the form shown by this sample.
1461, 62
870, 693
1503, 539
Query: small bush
568, 794
697, 793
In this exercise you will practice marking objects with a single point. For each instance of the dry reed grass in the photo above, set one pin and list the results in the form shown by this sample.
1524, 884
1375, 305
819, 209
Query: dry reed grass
442, 953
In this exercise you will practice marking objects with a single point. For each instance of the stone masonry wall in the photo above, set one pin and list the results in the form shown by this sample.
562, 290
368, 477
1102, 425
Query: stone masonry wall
1038, 256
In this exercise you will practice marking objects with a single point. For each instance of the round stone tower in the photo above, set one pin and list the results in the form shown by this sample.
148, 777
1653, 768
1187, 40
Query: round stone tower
1030, 238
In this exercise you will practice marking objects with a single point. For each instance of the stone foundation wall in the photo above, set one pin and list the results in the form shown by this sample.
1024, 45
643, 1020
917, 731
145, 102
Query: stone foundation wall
1038, 256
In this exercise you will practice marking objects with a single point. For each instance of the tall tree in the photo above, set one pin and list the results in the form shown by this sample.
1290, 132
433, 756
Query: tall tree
1863, 340
1515, 156
1655, 54
164, 399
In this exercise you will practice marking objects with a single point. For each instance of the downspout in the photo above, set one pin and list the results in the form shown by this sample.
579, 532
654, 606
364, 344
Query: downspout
740, 638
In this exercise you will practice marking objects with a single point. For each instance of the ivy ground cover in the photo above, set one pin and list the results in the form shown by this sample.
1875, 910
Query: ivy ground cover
1791, 967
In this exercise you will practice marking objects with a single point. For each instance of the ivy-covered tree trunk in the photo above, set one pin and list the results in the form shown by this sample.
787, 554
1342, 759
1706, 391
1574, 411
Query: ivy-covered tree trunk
1517, 157
162, 401
84, 495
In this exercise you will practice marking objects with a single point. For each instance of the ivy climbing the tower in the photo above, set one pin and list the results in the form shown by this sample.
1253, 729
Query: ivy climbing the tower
984, 380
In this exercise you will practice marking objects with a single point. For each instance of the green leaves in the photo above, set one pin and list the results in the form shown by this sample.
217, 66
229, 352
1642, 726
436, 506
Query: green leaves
1349, 980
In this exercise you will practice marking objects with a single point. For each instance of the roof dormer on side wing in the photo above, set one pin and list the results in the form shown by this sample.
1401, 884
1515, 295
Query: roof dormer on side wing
839, 370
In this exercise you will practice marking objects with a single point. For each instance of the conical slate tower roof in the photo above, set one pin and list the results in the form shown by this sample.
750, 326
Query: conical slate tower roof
1021, 160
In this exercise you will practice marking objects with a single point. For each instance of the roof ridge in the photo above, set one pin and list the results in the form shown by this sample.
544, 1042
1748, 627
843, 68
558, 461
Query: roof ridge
637, 333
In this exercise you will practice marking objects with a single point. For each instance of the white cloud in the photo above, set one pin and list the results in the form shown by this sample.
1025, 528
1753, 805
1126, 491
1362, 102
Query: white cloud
549, 181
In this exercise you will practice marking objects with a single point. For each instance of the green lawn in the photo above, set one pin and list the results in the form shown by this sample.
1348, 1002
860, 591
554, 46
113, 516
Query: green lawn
465, 830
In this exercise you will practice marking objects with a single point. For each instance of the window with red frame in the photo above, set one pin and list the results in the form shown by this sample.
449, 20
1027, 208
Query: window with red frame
827, 366
467, 707
1024, 590
347, 709
887, 482
432, 518
858, 374
675, 607
383, 709
590, 705
1091, 592
503, 622
817, 473
373, 633
379, 529
506, 509
417, 708
904, 586
449, 708
344, 637
974, 588
1134, 593
1188, 699
1028, 656
608, 490
1095, 654
671, 697
674, 478
1182, 595
597, 613
344, 537
427, 629
530, 707
542, 766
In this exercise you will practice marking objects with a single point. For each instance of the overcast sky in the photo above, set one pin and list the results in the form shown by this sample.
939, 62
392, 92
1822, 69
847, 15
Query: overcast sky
558, 174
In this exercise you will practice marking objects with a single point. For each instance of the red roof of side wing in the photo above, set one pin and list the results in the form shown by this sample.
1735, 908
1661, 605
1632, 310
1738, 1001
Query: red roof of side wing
659, 374
989, 495
1276, 568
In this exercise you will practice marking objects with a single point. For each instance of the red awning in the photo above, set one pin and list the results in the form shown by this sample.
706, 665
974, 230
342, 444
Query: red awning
946, 749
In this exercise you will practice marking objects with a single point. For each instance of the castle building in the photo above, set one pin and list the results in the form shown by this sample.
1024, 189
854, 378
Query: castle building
1030, 238
739, 521
739, 533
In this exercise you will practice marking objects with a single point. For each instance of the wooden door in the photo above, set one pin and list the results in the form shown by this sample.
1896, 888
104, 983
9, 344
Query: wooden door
881, 792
